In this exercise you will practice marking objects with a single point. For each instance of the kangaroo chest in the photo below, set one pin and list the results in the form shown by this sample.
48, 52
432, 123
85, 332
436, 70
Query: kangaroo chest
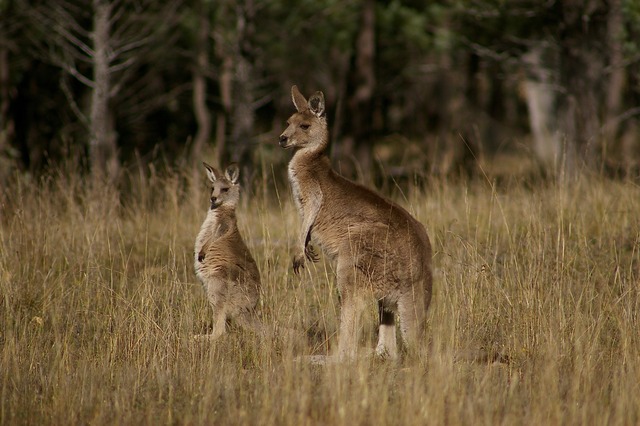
309, 189
299, 188
295, 187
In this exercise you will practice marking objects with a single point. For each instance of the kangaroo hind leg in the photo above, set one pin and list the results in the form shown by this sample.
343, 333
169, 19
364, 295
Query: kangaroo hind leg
387, 346
350, 313
412, 315
219, 324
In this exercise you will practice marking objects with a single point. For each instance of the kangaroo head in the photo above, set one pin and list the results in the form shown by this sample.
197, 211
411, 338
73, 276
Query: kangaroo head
225, 189
307, 128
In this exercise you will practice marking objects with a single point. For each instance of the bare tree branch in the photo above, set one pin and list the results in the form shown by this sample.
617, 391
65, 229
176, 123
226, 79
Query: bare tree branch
122, 65
73, 104
614, 121
64, 16
135, 44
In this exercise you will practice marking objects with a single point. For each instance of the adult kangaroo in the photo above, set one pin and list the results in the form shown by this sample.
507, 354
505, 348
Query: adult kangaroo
378, 246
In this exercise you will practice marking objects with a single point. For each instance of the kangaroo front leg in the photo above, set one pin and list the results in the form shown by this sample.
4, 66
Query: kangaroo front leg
309, 211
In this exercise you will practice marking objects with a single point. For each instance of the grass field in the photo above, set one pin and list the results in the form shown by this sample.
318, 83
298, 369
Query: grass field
98, 303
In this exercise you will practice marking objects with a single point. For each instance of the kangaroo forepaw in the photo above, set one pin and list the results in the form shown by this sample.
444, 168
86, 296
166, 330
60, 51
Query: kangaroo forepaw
311, 254
298, 263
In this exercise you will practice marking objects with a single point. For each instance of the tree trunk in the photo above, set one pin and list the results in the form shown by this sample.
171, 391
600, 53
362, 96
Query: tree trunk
203, 117
7, 127
243, 92
225, 83
541, 98
243, 121
102, 143
581, 69
243, 113
360, 106
616, 81
6, 121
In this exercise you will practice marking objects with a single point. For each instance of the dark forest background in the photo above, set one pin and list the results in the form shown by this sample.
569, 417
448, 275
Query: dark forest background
413, 88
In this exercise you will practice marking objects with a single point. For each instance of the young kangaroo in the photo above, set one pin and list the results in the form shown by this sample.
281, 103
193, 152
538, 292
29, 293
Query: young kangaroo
378, 246
222, 261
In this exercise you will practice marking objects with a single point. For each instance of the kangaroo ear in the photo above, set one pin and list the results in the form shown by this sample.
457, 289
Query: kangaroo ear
232, 173
316, 104
298, 100
212, 173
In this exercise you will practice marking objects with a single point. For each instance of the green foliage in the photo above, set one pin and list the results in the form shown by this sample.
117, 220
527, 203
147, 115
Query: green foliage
631, 32
307, 32
436, 65
505, 28
397, 21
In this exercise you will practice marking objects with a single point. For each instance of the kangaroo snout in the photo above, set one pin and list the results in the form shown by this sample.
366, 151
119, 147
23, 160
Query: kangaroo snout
283, 141
214, 203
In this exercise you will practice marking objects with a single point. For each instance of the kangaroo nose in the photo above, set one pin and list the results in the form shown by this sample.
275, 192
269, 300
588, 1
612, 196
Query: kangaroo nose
283, 140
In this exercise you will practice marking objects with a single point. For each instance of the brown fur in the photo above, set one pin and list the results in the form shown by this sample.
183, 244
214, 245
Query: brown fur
222, 261
379, 247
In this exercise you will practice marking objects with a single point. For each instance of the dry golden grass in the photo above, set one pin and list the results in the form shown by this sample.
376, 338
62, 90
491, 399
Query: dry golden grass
99, 301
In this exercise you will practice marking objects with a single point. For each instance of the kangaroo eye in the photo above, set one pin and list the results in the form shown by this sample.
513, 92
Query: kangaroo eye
305, 126
223, 190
